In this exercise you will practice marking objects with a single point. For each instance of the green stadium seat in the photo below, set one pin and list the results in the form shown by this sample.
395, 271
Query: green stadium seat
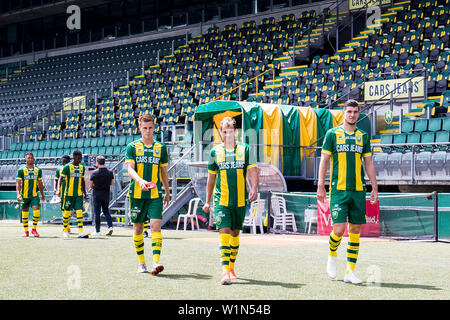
101, 142
80, 143
95, 151
446, 124
109, 151
399, 141
53, 152
60, 152
94, 142
117, 150
122, 141
413, 137
73, 143
107, 142
24, 146
67, 143
434, 124
60, 144
427, 137
408, 126
88, 150
102, 150
36, 146
421, 125
442, 136
386, 139
115, 141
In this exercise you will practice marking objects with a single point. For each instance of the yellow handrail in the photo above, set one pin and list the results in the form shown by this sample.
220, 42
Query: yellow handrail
242, 84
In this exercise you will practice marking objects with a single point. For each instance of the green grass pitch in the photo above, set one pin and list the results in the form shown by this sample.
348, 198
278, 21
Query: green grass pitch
270, 267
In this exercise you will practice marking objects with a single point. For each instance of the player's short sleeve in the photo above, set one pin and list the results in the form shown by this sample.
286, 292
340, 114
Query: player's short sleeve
367, 150
19, 174
164, 156
327, 145
65, 171
83, 171
130, 155
250, 156
212, 164
57, 172
39, 174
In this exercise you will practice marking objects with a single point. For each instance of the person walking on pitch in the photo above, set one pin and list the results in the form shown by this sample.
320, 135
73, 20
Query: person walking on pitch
348, 147
75, 193
228, 166
147, 161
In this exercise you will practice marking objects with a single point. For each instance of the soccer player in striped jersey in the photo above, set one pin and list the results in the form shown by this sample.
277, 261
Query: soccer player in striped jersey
146, 160
60, 190
74, 193
28, 180
228, 166
348, 147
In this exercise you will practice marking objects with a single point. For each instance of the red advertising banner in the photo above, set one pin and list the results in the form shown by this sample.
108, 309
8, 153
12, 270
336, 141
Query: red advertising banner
370, 229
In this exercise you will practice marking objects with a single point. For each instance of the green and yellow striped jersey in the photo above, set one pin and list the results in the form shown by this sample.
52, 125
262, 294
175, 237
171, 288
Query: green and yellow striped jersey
29, 178
63, 182
347, 149
74, 175
231, 167
147, 162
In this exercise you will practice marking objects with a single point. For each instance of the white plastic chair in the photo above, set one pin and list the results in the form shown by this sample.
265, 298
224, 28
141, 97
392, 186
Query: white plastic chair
191, 214
282, 218
310, 218
255, 219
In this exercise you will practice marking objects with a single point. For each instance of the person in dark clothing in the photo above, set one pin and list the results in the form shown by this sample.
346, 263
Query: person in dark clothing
100, 181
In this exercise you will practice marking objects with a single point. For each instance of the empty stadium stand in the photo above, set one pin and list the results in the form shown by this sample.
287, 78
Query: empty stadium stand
255, 60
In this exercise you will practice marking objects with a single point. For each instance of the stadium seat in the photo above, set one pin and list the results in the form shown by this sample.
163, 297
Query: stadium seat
421, 125
408, 126
434, 124
427, 141
422, 165
380, 162
399, 141
438, 164
393, 164
405, 163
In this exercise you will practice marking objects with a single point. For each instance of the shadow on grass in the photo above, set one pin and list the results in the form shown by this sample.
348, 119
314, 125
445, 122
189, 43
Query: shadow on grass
408, 286
396, 285
196, 276
268, 283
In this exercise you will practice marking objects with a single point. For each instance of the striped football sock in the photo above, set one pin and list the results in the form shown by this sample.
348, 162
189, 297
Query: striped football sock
139, 245
234, 248
66, 219
225, 251
156, 245
352, 250
79, 220
25, 220
334, 243
36, 214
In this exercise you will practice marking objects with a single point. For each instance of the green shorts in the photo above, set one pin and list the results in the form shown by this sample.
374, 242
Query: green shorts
229, 217
144, 209
31, 202
72, 203
348, 204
